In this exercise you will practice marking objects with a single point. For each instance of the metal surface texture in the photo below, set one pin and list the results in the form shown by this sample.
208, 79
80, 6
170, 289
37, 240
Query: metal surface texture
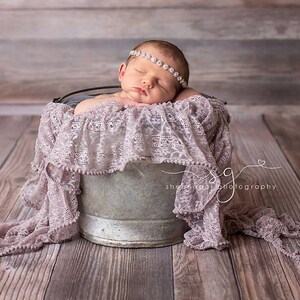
132, 208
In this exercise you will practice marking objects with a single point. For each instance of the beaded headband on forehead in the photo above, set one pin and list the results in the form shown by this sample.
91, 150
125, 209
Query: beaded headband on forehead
160, 64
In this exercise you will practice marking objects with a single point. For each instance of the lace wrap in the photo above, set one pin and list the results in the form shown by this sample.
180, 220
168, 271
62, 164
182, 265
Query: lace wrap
193, 132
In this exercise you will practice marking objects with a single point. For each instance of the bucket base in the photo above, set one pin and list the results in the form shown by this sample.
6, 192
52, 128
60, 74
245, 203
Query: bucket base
133, 208
132, 233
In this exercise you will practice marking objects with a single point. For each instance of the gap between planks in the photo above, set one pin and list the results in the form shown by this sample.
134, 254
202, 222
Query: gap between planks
23, 276
263, 271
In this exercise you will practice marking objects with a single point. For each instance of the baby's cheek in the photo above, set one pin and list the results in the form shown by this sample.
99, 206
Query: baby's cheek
173, 94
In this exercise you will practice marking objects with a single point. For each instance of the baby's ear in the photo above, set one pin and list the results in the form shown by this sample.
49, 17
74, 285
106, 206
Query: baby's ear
122, 69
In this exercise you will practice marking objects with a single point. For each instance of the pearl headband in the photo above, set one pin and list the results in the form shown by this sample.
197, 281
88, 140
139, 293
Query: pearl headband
160, 64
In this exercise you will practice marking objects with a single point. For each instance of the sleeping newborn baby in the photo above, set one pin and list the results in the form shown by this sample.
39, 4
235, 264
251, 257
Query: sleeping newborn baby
155, 72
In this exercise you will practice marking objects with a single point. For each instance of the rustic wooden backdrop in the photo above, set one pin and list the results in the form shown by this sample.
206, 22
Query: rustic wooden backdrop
243, 51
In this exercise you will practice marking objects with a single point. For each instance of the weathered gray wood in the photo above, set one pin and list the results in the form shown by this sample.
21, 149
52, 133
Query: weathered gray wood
23, 276
244, 92
20, 110
262, 271
11, 128
92, 271
197, 23
253, 72
26, 276
265, 109
203, 274
209, 60
14, 171
253, 141
285, 129
36, 4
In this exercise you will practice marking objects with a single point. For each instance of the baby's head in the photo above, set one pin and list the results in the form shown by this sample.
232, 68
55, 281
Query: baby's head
155, 72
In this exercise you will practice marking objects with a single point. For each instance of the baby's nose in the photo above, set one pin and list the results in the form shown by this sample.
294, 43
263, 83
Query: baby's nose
148, 82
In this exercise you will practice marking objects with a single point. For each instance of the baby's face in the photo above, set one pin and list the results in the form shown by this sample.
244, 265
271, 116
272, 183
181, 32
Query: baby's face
143, 81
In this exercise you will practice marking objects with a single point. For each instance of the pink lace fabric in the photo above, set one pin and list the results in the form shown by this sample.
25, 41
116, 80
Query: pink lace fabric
193, 132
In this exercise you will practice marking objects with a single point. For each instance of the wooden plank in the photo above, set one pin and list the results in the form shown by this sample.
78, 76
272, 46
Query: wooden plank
198, 23
203, 274
253, 72
11, 128
26, 276
90, 4
253, 141
265, 109
93, 271
20, 110
236, 92
209, 60
285, 129
15, 170
264, 91
262, 271
23, 276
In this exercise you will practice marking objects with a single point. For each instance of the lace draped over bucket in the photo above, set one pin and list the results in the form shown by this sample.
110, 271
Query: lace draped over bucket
193, 133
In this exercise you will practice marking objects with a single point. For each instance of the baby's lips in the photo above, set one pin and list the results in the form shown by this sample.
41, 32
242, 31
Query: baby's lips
141, 91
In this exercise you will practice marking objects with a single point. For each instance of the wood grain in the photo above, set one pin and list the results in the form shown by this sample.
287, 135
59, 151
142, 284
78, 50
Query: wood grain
265, 109
11, 128
253, 72
111, 273
26, 276
20, 110
257, 144
237, 92
23, 276
262, 271
15, 170
209, 60
235, 23
203, 274
91, 4
285, 129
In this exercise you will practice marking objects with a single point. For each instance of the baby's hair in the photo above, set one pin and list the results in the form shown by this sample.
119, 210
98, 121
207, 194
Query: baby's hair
168, 49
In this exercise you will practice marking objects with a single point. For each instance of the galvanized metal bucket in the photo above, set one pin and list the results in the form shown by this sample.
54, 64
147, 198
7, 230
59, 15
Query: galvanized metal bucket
133, 208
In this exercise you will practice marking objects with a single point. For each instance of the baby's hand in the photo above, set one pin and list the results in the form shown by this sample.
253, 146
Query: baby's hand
86, 104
